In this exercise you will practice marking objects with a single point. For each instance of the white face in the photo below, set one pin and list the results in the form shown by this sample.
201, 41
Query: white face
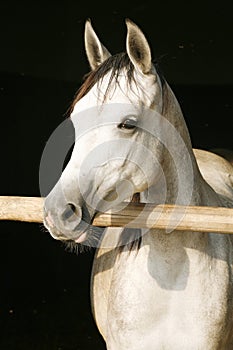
118, 147
112, 157
114, 153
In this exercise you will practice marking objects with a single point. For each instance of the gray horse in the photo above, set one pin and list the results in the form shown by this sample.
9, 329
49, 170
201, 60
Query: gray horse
150, 289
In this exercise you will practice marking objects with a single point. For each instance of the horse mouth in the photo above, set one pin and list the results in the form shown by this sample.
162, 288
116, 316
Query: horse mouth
83, 233
88, 234
93, 234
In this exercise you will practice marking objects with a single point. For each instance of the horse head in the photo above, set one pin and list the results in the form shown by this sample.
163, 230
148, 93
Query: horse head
118, 144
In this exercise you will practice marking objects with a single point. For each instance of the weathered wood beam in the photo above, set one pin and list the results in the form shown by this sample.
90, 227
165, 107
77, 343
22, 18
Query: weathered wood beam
190, 218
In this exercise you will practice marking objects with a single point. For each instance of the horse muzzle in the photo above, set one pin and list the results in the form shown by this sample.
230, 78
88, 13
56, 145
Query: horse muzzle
67, 223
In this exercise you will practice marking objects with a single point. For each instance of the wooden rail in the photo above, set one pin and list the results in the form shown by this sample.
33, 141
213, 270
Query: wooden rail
190, 218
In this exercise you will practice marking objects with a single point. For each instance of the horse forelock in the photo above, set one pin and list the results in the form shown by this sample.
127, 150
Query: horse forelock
113, 65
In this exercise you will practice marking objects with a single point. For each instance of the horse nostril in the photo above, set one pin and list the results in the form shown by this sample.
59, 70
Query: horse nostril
68, 212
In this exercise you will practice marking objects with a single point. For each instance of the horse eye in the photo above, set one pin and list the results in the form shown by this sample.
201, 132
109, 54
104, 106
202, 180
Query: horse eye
128, 124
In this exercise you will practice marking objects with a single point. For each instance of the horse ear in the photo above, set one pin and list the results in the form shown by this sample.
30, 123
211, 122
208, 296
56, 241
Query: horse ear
96, 52
138, 48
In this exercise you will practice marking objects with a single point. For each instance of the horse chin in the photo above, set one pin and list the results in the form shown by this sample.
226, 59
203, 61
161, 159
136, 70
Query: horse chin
82, 238
90, 235
89, 238
84, 235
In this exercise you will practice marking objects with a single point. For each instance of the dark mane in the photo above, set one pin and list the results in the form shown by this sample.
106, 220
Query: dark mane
114, 63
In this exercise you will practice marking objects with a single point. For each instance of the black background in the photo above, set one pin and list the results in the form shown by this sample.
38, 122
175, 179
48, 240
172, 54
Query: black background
44, 294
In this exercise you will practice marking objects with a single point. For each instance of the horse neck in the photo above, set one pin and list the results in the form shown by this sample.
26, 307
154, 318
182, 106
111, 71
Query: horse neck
172, 112
193, 191
185, 161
